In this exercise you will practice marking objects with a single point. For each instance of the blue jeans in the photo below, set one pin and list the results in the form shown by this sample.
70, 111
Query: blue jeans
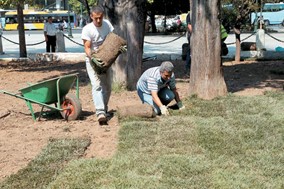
165, 95
101, 88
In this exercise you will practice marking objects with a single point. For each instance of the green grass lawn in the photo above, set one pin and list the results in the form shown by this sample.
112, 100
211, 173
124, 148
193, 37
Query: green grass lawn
229, 142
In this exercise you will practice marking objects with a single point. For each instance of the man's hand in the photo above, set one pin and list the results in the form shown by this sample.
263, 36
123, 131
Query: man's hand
123, 49
164, 110
98, 66
180, 105
98, 62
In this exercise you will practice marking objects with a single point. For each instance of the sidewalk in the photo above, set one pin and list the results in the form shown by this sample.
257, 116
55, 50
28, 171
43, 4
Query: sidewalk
162, 47
161, 51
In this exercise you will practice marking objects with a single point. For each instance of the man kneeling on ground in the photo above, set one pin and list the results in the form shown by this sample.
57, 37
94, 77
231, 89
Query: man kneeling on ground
157, 87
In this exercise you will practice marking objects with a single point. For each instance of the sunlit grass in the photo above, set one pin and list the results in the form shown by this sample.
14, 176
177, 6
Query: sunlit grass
229, 142
48, 165
118, 87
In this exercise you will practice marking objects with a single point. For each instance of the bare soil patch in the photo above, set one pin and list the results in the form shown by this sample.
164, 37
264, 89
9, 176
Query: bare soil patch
21, 139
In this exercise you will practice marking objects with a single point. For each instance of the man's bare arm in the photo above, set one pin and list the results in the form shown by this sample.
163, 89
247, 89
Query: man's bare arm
189, 26
156, 98
87, 47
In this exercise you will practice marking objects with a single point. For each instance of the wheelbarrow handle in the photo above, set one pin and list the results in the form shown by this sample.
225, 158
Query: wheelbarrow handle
29, 100
9, 93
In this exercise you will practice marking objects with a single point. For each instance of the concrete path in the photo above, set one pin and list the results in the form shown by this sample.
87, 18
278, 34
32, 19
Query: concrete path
164, 47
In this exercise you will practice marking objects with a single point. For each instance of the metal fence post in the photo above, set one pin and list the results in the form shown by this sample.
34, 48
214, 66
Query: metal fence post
60, 43
260, 42
1, 46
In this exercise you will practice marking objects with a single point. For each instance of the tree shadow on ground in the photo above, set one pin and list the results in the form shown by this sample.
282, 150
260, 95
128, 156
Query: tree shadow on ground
239, 76
55, 115
64, 68
257, 75
246, 74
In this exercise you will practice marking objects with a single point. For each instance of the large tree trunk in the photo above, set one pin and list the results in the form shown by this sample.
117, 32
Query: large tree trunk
206, 76
128, 19
21, 30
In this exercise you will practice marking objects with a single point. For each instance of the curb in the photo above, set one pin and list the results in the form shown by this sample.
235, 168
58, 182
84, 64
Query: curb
49, 57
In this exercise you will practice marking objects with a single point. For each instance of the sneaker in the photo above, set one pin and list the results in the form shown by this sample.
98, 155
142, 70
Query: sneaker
102, 118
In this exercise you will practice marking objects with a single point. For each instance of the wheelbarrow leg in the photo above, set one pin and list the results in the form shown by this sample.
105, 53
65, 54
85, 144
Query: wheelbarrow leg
40, 113
29, 104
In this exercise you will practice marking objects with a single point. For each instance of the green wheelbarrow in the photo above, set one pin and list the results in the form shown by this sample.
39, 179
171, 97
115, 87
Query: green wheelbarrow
53, 91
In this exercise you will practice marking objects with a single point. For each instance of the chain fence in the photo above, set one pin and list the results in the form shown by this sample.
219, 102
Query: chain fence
72, 40
146, 42
151, 43
274, 38
242, 39
19, 43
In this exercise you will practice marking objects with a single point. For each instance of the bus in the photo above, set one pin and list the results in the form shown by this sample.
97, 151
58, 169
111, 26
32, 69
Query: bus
272, 14
2, 17
34, 20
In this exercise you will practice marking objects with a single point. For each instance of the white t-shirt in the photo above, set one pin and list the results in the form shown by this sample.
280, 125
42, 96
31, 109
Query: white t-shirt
96, 34
50, 29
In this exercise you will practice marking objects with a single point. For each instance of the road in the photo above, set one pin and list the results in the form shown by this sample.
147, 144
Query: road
153, 44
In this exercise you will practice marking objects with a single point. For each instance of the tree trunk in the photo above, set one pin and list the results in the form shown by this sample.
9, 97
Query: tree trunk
21, 30
237, 32
88, 10
86, 4
153, 25
128, 19
206, 76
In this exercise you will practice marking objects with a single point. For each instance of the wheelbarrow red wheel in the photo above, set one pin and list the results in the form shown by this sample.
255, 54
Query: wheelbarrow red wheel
72, 107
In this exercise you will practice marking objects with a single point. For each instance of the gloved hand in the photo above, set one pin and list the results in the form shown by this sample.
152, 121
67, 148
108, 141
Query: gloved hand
123, 49
180, 105
164, 110
97, 62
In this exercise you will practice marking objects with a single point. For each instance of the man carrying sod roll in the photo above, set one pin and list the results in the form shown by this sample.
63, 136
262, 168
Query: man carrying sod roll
98, 63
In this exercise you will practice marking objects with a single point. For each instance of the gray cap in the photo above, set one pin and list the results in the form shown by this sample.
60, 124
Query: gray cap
166, 66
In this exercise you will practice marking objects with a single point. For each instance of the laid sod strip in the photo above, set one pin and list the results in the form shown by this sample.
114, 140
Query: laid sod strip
47, 165
230, 142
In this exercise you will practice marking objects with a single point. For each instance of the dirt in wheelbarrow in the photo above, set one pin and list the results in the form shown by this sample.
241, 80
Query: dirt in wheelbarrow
21, 139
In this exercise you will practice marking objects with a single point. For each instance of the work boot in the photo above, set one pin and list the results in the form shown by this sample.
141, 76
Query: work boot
109, 115
102, 119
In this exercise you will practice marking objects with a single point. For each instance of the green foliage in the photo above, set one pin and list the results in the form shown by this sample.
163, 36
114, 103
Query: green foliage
118, 87
11, 4
240, 16
162, 7
78, 5
228, 18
